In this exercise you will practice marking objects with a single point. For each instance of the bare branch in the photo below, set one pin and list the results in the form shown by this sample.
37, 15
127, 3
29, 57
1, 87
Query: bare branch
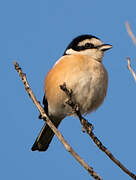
134, 40
89, 129
130, 68
130, 32
51, 125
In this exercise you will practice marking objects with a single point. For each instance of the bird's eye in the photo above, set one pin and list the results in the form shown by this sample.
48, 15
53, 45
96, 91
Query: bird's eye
89, 45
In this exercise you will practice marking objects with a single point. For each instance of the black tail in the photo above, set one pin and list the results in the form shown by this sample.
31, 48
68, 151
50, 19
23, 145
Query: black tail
44, 138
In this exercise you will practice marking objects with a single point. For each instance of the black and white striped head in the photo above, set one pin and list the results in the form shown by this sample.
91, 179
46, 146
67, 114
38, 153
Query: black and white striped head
87, 45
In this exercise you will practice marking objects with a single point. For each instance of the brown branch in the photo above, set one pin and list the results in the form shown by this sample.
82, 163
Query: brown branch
51, 125
89, 129
130, 68
130, 32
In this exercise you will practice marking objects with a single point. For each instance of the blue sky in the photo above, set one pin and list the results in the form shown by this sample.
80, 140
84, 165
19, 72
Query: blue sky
36, 33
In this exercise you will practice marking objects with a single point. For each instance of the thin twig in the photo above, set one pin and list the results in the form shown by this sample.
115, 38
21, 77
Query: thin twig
89, 129
130, 68
130, 32
51, 125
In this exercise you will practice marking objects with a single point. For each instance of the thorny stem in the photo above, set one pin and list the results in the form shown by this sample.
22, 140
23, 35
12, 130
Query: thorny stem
51, 125
89, 129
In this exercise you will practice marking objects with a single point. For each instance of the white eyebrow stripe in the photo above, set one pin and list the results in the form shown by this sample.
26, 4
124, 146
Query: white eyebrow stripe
94, 41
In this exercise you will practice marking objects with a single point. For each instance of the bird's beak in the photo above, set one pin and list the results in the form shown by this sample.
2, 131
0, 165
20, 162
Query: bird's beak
105, 47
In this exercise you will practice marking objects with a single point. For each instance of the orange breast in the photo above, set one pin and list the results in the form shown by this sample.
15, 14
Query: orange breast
65, 70
85, 76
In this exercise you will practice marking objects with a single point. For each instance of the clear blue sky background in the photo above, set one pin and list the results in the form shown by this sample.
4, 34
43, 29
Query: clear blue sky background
35, 33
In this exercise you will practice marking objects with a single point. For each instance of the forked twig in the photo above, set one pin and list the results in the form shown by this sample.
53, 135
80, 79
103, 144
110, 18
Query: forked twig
88, 127
130, 68
51, 125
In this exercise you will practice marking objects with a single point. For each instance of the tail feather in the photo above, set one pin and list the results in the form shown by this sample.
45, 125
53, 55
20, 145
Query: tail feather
44, 138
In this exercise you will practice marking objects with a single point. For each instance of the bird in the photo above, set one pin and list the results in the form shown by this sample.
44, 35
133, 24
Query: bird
82, 70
